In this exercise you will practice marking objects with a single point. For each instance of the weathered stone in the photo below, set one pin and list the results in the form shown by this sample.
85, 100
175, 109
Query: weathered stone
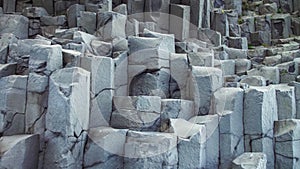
87, 21
228, 104
288, 71
15, 24
260, 38
71, 58
111, 25
191, 141
5, 40
101, 48
254, 80
120, 74
9, 6
98, 5
150, 150
132, 27
219, 22
296, 26
201, 59
210, 36
286, 103
34, 12
136, 112
68, 115
122, 9
227, 66
7, 69
205, 81
19, 151
250, 160
12, 104
272, 60
271, 74
119, 44
136, 9
45, 58
61, 6
281, 26
153, 83
297, 97
158, 12
211, 123
48, 5
73, 13
105, 148
237, 42
236, 53
175, 108
167, 42
270, 8
287, 137
102, 86
179, 21
260, 111
179, 68
53, 21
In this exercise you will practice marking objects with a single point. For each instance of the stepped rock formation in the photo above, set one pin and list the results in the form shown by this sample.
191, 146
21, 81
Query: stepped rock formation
139, 84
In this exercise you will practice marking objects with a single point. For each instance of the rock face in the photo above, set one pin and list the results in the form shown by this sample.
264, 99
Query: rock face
163, 84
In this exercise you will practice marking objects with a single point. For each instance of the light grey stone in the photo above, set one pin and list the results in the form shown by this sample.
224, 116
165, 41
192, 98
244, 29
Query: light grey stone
250, 160
154, 83
111, 25
281, 26
297, 97
158, 150
132, 27
204, 81
9, 6
191, 140
211, 123
260, 111
205, 59
227, 66
71, 58
286, 103
5, 40
102, 86
19, 151
236, 53
120, 44
73, 12
87, 21
179, 21
254, 80
122, 9
120, 74
7, 69
210, 36
271, 74
98, 5
158, 12
136, 112
136, 9
268, 8
287, 137
228, 104
101, 48
13, 104
15, 24
167, 42
37, 83
219, 22
60, 20
45, 58
272, 60
34, 12
105, 148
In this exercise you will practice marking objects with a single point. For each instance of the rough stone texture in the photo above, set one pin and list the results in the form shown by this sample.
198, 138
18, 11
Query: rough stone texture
19, 151
101, 91
254, 81
68, 115
136, 112
271, 74
250, 160
287, 136
205, 80
105, 148
260, 111
13, 104
228, 104
179, 21
158, 150
211, 123
15, 24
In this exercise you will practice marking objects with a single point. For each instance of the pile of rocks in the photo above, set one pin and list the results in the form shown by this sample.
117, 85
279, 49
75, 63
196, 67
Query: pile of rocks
149, 84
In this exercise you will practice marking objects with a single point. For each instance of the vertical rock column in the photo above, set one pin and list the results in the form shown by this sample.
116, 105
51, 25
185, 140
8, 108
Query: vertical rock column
179, 21
228, 104
260, 111
67, 118
287, 137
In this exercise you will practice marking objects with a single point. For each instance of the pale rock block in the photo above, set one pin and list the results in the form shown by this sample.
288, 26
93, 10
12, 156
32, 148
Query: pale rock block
271, 74
122, 9
87, 21
286, 133
211, 123
111, 25
101, 48
105, 148
286, 102
228, 104
242, 66
136, 112
136, 9
73, 12
150, 150
203, 82
205, 59
15, 24
102, 86
210, 36
34, 12
157, 13
19, 151
7, 69
45, 58
254, 80
5, 40
120, 74
219, 22
179, 21
260, 111
250, 160
13, 104
167, 42
227, 66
